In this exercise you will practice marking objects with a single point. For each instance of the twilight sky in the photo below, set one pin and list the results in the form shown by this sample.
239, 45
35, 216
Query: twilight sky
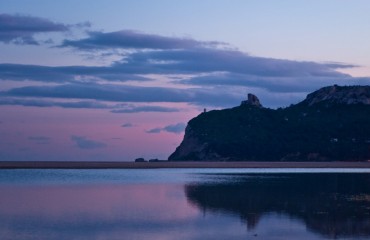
116, 80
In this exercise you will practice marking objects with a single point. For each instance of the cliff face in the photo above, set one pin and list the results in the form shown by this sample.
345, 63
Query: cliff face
330, 124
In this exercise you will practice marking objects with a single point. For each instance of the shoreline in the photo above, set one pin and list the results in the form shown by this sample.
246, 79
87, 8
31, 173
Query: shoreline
165, 164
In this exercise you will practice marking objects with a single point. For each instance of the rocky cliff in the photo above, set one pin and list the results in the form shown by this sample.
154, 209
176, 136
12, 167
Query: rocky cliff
340, 95
332, 123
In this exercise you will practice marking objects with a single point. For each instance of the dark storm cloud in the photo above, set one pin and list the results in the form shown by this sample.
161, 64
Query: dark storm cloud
21, 29
124, 93
129, 39
174, 128
84, 143
145, 109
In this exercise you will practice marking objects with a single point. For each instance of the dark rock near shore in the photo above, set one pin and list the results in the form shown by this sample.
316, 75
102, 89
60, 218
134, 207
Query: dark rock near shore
330, 124
140, 160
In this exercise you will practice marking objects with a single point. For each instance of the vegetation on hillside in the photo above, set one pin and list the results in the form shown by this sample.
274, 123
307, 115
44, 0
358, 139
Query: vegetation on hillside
321, 132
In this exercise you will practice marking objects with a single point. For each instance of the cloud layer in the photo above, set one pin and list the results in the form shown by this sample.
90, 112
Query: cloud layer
124, 93
39, 139
145, 109
215, 74
84, 143
50, 103
127, 125
129, 39
19, 29
173, 128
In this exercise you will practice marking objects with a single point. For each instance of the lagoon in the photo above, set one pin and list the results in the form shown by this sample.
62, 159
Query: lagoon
189, 203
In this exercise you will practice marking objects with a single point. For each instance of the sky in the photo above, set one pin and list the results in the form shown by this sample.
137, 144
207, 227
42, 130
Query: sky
118, 80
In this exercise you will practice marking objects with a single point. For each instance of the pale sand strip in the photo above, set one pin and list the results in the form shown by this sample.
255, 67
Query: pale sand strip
151, 165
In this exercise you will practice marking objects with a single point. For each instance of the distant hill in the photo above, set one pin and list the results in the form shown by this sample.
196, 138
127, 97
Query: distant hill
331, 124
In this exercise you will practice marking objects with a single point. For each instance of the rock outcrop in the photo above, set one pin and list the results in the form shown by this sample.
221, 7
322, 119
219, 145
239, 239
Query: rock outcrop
252, 100
330, 124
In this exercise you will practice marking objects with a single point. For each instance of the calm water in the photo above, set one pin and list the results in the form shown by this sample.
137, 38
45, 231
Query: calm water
185, 204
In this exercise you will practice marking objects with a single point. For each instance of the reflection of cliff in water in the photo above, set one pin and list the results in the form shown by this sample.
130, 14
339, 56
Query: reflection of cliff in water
335, 205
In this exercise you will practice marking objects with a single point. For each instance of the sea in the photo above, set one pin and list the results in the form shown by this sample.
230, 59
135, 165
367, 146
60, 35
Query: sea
163, 204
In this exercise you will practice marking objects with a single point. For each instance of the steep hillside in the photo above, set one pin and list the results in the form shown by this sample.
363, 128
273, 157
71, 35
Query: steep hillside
332, 123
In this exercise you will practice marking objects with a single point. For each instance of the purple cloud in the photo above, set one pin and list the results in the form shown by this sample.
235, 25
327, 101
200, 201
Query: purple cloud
210, 66
273, 84
222, 75
40, 139
20, 72
227, 67
207, 60
124, 93
21, 29
48, 103
173, 128
127, 125
84, 143
154, 130
129, 39
138, 109
114, 108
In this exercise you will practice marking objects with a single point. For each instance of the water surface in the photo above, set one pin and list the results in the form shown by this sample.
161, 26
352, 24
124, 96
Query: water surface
185, 204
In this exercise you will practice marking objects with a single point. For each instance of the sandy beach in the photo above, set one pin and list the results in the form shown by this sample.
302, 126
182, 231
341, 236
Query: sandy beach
165, 164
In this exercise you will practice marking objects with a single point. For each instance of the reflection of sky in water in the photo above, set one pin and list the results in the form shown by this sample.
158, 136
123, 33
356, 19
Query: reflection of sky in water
127, 204
146, 176
120, 212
